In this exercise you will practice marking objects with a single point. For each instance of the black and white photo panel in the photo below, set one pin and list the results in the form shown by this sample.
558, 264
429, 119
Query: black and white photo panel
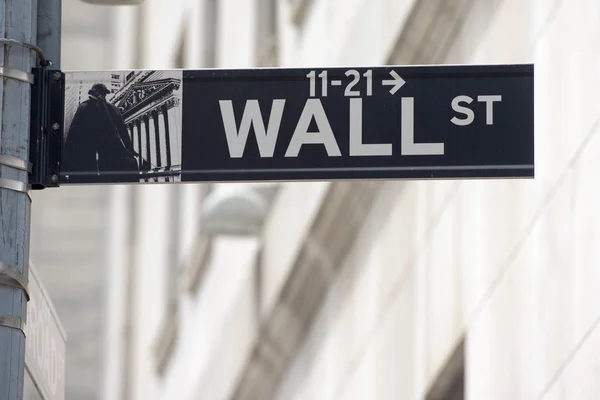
122, 126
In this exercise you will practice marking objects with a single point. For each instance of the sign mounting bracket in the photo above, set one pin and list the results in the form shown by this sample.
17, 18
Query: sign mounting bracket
46, 131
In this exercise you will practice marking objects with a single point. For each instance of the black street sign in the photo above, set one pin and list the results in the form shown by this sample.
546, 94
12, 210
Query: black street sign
392, 122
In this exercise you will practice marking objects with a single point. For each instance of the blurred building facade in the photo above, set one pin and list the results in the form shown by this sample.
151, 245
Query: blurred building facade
367, 290
69, 234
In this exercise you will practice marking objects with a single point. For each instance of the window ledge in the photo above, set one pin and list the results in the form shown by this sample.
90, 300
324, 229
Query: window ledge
196, 267
166, 340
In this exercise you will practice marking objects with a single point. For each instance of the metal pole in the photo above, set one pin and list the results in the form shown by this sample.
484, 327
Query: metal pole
17, 23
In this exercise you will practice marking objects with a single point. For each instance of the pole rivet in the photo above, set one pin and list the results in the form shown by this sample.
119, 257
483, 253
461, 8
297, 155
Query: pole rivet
55, 126
54, 179
57, 76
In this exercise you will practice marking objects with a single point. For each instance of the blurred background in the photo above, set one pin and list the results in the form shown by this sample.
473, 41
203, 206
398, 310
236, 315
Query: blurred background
421, 290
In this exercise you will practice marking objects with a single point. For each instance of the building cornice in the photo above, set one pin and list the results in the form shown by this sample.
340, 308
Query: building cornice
342, 213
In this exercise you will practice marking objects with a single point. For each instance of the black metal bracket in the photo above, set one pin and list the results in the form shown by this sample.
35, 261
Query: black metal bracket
46, 127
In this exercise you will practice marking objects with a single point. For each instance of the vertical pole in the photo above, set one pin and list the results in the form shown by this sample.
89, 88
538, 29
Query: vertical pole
17, 22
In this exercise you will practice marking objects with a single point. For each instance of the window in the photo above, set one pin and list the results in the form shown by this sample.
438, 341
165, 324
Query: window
210, 33
299, 10
180, 54
170, 325
201, 249
267, 33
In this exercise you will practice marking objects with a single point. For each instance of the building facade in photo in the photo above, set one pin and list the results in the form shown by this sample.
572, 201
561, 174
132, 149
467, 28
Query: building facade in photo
149, 101
416, 290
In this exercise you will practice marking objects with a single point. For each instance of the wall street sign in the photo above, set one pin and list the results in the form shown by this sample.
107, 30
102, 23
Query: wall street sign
390, 122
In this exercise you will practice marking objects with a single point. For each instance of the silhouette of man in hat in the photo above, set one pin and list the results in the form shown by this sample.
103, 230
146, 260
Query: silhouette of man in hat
98, 142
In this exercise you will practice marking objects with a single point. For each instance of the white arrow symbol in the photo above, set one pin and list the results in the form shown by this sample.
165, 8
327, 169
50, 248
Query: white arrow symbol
397, 82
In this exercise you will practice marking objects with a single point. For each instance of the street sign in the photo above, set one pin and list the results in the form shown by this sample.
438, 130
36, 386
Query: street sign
390, 122
46, 343
30, 392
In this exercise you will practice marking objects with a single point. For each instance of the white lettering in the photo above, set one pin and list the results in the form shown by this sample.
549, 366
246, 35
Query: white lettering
47, 360
313, 109
31, 314
266, 139
409, 147
45, 352
489, 107
357, 147
463, 110
53, 358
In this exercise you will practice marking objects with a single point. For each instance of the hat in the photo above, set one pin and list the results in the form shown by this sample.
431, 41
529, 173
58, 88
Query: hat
99, 88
